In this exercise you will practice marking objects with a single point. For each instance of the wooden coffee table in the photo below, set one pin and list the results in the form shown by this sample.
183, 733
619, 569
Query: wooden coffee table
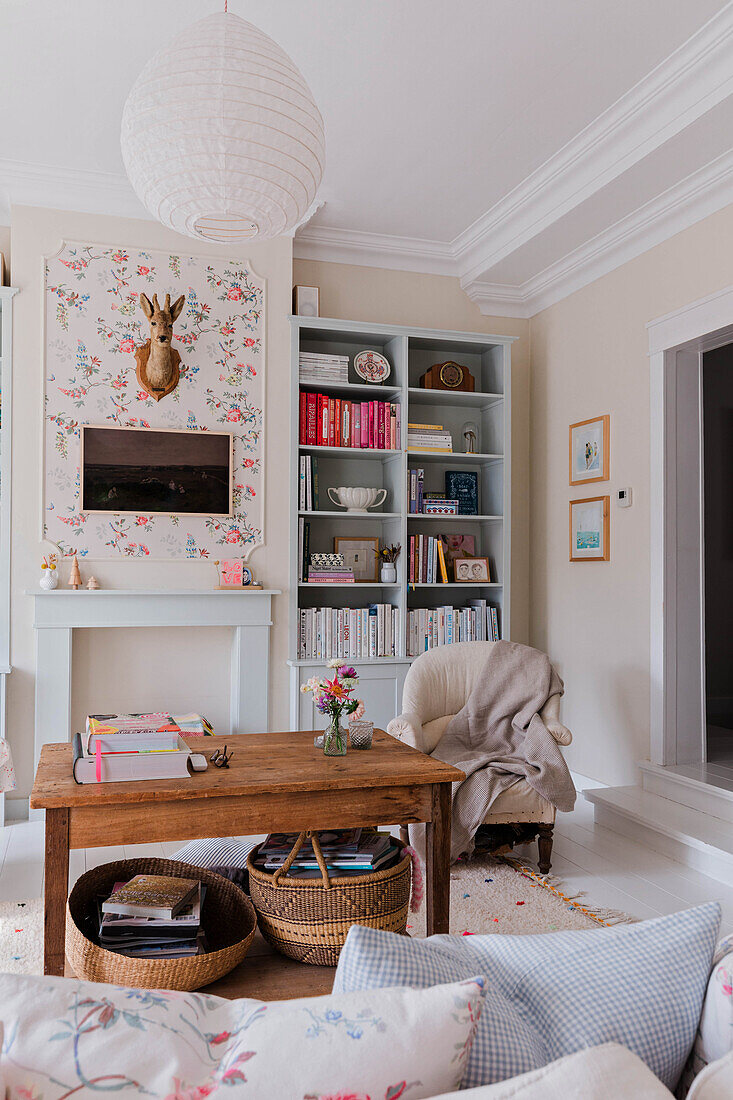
277, 782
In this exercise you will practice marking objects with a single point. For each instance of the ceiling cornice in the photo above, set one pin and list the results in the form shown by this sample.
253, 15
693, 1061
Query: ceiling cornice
682, 88
349, 246
696, 197
67, 189
687, 84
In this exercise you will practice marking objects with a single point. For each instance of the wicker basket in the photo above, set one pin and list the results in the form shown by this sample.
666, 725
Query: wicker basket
308, 919
228, 919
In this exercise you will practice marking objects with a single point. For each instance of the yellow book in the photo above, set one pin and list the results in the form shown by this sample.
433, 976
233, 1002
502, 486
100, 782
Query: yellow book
425, 427
441, 561
433, 450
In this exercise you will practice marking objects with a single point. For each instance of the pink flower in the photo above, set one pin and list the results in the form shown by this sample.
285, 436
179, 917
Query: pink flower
143, 270
234, 294
143, 396
220, 1038
234, 415
127, 345
233, 536
360, 710
249, 342
141, 521
248, 462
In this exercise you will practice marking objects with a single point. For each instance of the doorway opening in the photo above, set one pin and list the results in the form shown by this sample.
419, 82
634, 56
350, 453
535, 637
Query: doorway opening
717, 483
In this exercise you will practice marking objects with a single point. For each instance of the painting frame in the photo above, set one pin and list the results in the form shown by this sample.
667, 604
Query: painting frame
366, 575
582, 435
142, 431
579, 554
464, 565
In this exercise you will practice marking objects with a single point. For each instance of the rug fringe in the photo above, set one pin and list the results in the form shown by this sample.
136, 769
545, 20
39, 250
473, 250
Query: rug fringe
600, 914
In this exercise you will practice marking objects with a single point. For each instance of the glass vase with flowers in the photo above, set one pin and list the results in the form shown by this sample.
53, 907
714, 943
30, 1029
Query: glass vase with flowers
334, 698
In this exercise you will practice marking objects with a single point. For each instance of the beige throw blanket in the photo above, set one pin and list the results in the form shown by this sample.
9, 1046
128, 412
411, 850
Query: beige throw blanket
499, 738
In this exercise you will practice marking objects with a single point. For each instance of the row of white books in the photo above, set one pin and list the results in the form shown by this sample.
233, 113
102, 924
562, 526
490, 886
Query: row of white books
352, 633
430, 627
321, 367
429, 437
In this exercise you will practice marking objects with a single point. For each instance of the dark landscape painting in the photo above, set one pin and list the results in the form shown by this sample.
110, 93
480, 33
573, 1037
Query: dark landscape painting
143, 471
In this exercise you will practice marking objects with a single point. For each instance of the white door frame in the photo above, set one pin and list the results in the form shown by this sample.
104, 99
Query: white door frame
698, 327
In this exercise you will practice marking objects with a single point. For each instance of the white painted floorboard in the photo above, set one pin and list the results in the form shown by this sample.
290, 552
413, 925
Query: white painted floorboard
608, 868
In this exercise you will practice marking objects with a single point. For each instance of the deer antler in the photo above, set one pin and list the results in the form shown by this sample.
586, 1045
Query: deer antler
156, 303
167, 306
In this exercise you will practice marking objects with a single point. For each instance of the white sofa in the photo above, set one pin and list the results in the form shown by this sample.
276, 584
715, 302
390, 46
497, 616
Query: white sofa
437, 686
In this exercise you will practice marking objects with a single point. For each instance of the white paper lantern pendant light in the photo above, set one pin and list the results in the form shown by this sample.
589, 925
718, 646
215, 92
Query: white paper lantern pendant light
221, 137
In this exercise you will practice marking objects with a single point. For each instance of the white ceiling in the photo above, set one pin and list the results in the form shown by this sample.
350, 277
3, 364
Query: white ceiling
489, 139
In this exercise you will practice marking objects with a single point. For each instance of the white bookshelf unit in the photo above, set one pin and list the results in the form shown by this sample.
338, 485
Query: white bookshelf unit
410, 352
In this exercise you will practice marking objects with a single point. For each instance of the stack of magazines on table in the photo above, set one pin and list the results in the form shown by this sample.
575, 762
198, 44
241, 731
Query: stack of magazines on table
153, 917
345, 852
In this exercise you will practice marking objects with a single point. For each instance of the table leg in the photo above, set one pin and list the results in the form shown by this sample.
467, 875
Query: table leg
437, 860
56, 888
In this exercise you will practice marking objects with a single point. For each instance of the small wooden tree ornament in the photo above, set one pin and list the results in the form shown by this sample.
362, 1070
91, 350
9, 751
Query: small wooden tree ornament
74, 575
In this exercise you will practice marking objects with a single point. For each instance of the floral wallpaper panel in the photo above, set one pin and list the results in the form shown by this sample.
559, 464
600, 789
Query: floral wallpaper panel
93, 325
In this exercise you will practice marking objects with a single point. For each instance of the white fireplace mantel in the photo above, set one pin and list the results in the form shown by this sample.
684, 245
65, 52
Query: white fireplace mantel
57, 614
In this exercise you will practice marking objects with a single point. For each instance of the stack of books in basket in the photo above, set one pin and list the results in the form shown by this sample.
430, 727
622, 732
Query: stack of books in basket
153, 917
345, 852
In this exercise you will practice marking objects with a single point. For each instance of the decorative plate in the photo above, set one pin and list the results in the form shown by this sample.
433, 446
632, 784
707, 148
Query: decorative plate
372, 367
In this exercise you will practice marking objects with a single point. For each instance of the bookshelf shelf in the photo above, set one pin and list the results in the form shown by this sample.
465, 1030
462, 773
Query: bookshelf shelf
455, 456
352, 515
353, 389
455, 584
350, 452
422, 518
410, 353
347, 584
459, 398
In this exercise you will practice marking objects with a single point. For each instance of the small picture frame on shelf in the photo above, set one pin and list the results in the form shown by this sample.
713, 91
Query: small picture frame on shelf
360, 554
590, 529
590, 450
306, 301
471, 571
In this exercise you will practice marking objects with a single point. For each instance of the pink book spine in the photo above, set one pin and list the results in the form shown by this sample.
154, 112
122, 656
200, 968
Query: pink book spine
371, 441
398, 429
380, 425
365, 423
356, 425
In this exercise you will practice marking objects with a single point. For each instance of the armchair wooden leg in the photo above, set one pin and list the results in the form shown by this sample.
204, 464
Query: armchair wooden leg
404, 834
544, 844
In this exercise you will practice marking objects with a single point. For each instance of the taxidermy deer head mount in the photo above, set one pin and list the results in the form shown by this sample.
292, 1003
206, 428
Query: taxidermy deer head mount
158, 364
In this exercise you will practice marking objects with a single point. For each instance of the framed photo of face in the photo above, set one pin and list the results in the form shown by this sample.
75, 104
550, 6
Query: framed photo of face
590, 450
471, 570
590, 529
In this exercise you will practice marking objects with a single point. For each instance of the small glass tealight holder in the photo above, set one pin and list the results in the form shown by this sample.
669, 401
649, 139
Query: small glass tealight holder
360, 734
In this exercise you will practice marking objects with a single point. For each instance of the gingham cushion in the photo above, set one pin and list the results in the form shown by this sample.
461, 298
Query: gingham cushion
641, 985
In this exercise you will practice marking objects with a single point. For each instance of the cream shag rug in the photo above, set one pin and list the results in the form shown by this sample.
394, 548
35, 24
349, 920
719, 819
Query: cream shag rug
511, 897
487, 895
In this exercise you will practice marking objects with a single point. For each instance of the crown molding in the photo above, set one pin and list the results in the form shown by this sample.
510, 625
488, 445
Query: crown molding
350, 246
682, 88
696, 197
67, 189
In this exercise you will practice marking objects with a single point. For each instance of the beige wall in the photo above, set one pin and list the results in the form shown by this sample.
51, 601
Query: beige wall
589, 356
434, 301
120, 668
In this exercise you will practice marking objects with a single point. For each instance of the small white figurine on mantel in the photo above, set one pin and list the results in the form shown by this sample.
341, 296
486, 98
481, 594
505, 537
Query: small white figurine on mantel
92, 584
49, 574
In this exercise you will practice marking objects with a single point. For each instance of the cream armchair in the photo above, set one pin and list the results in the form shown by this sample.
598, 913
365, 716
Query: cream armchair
436, 687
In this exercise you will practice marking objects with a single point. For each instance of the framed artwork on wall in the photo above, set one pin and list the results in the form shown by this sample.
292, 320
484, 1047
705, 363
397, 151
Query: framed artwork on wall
590, 529
590, 450
360, 554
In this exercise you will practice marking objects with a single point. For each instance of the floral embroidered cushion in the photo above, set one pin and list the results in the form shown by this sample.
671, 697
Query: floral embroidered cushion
714, 1037
63, 1038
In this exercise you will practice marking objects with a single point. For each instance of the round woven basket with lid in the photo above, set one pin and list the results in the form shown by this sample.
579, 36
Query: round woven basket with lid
228, 919
309, 919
